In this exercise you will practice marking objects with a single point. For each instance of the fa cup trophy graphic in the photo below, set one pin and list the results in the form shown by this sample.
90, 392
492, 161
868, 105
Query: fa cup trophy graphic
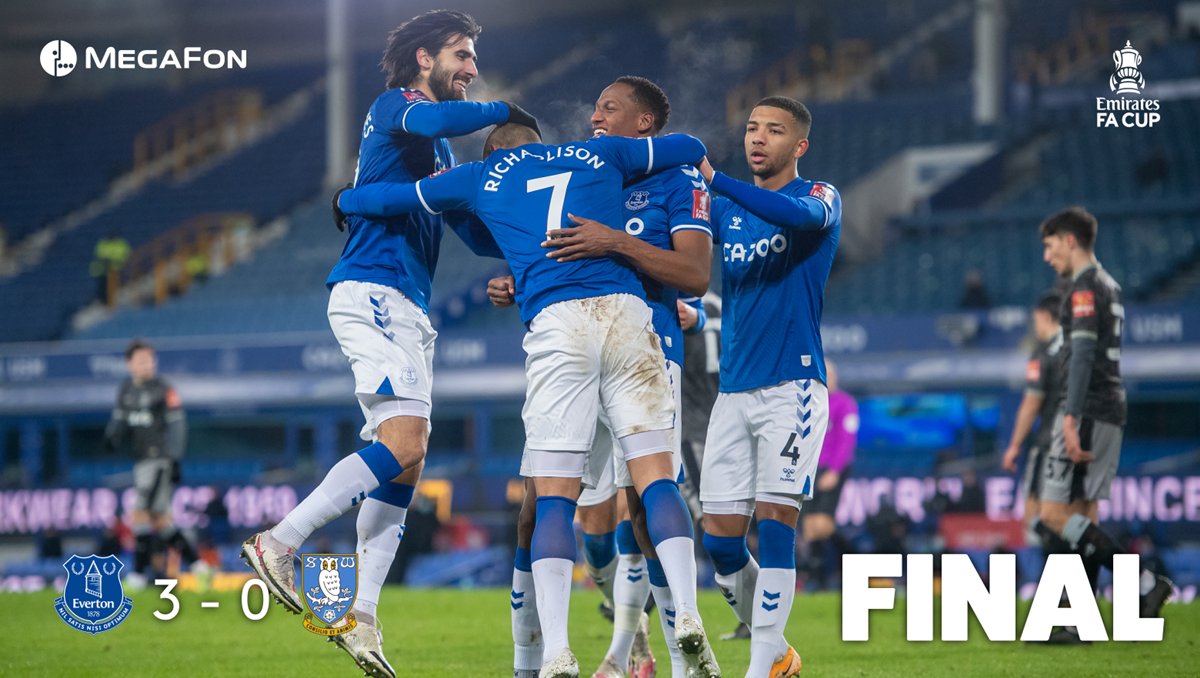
1127, 79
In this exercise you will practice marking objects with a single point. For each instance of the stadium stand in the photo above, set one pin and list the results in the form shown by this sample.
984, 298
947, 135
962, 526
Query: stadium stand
1141, 183
926, 271
66, 175
264, 180
852, 138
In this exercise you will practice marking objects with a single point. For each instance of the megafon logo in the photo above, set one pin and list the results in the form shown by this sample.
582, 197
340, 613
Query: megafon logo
59, 58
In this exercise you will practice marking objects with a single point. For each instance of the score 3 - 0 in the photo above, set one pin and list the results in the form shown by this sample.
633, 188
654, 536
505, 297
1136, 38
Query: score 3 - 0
170, 584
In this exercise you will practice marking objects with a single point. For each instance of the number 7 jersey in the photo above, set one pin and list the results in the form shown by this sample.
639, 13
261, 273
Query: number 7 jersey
522, 193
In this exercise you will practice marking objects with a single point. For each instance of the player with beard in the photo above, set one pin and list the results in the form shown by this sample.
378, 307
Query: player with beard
778, 238
378, 306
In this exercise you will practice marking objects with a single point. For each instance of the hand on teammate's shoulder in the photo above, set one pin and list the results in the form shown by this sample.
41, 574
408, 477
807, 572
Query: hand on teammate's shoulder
520, 116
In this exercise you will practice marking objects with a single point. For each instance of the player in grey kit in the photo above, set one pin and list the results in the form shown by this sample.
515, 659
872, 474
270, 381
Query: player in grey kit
1086, 442
1043, 397
149, 418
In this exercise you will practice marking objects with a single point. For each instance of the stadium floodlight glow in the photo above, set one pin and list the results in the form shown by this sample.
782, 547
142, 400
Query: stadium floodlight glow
994, 603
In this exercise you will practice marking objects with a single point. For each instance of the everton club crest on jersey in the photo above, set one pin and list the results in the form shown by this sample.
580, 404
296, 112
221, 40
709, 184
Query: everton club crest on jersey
637, 200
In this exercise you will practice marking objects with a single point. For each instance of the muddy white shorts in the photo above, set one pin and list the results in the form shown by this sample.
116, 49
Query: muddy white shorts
612, 476
586, 359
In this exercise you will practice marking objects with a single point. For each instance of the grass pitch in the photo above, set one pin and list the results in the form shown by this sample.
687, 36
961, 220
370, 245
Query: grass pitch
466, 633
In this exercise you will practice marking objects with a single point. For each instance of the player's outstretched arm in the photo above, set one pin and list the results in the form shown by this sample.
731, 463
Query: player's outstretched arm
637, 157
380, 200
674, 150
456, 118
452, 118
808, 212
451, 190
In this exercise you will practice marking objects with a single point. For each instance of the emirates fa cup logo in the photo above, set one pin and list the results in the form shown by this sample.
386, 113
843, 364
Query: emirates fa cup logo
1127, 79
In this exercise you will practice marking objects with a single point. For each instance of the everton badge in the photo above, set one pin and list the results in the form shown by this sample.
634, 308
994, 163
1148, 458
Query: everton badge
93, 600
637, 200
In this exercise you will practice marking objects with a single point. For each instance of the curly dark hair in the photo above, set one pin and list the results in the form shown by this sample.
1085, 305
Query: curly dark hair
432, 30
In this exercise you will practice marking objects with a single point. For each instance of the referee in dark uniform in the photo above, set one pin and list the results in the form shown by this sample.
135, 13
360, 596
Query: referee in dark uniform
149, 418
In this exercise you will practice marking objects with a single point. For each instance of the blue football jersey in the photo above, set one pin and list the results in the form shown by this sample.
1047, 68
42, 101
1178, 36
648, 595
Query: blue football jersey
773, 288
521, 194
401, 251
656, 208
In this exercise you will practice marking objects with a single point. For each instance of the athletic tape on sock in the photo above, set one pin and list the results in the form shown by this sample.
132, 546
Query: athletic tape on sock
776, 545
600, 549
379, 459
729, 554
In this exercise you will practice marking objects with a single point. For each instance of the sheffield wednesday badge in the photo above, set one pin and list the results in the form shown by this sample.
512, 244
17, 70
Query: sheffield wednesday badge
330, 584
93, 600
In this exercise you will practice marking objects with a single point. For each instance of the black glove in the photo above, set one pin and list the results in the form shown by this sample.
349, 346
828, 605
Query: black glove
176, 471
520, 116
339, 217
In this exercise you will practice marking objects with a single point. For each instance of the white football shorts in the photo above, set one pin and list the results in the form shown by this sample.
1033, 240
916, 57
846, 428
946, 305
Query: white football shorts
389, 342
587, 359
765, 441
616, 475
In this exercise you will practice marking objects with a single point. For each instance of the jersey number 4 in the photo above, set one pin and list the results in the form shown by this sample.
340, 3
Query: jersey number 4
789, 450
558, 196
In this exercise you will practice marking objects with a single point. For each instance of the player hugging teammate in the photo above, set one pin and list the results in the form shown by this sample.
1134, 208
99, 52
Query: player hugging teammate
601, 236
378, 311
